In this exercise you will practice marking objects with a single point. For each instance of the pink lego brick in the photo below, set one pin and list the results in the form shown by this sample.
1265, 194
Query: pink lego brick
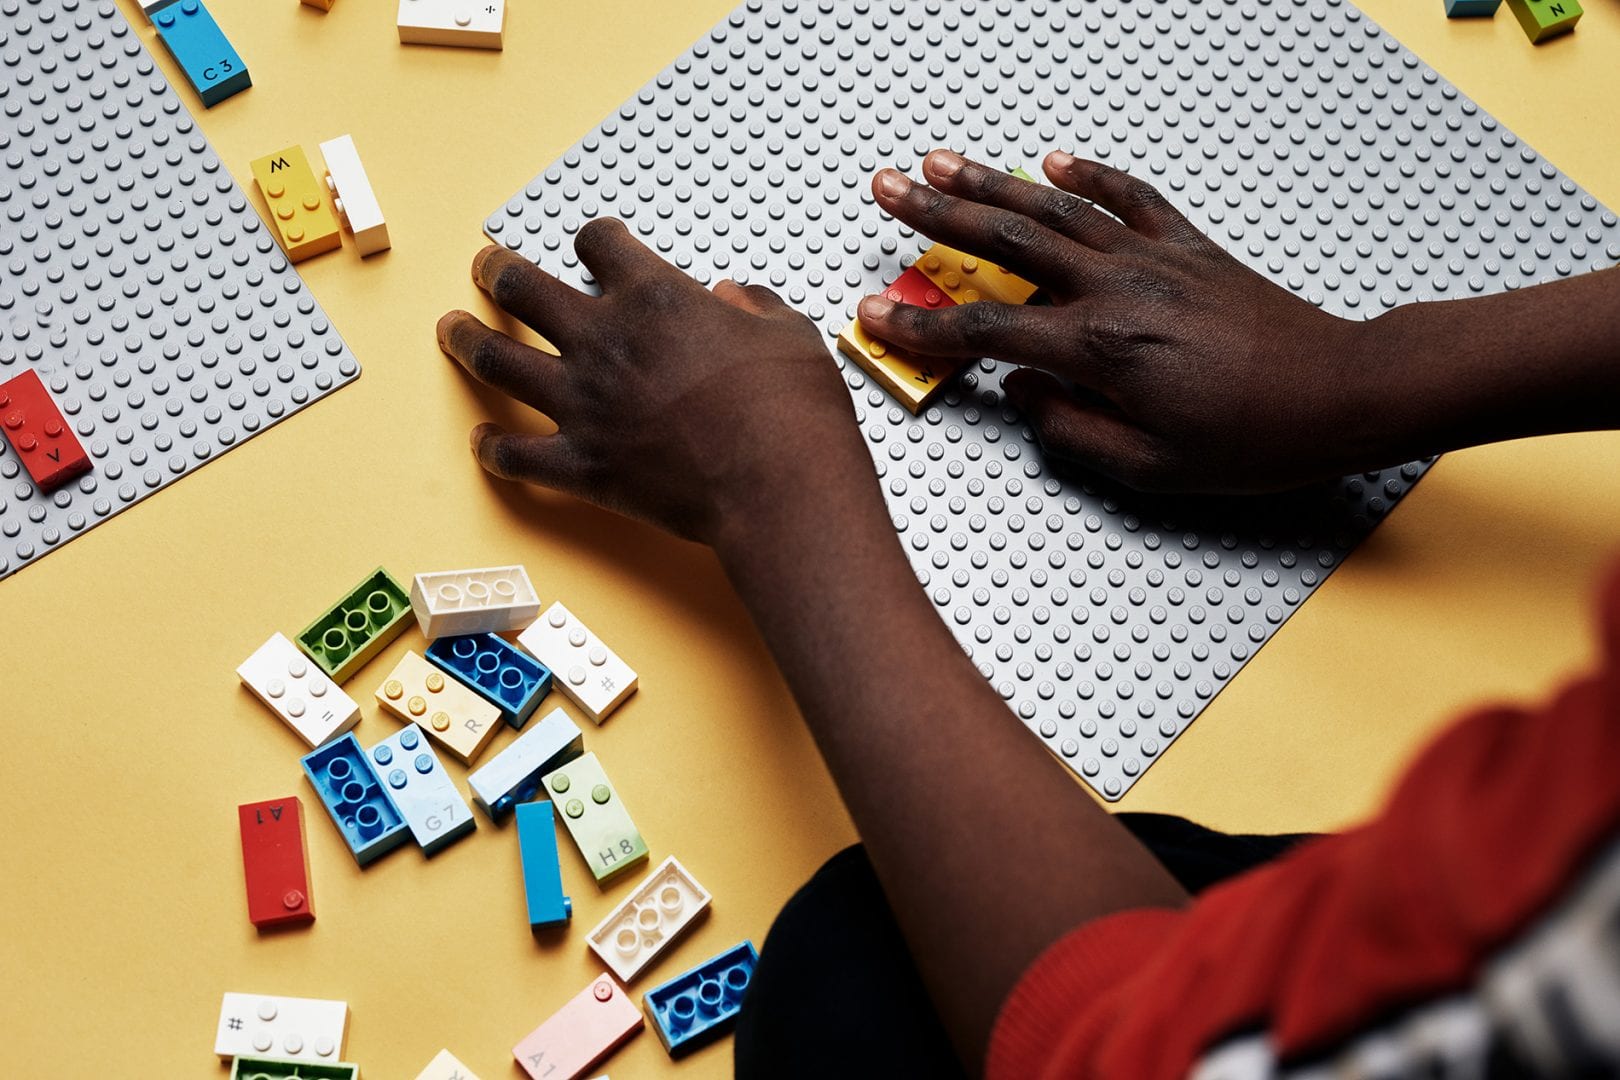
591, 1026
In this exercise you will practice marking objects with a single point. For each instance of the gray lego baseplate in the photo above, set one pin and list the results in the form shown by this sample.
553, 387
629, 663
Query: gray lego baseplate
135, 278
1295, 132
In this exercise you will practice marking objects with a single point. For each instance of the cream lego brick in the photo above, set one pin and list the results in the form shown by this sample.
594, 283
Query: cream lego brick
638, 931
587, 671
294, 1029
298, 691
591, 1026
493, 600
445, 1066
453, 715
466, 23
351, 191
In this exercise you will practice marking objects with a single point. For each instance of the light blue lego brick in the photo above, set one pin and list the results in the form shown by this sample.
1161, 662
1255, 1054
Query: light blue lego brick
513, 775
700, 1006
1456, 9
424, 793
542, 871
201, 49
354, 796
504, 675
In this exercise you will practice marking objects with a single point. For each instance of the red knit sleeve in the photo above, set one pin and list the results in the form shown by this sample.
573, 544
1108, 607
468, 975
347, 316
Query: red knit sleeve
1487, 829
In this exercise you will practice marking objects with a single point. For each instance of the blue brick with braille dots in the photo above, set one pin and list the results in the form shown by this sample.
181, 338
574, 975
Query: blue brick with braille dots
201, 49
698, 1007
427, 798
353, 795
505, 676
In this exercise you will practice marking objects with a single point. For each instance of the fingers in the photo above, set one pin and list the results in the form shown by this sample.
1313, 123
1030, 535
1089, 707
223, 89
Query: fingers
615, 258
1135, 202
754, 299
535, 459
1022, 245
516, 370
522, 289
1020, 335
1057, 210
1092, 435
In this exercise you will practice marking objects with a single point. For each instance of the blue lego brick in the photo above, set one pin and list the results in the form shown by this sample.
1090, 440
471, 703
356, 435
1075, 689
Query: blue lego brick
542, 872
1456, 9
504, 675
422, 791
201, 49
698, 1007
354, 796
513, 775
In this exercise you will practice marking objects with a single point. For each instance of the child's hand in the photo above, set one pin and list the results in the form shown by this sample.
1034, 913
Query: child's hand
675, 405
1195, 372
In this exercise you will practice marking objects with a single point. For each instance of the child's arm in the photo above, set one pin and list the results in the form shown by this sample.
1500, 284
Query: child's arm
718, 416
1199, 374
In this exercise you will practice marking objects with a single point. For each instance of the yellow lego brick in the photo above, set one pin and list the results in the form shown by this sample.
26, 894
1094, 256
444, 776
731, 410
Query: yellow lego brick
303, 222
966, 278
453, 716
912, 380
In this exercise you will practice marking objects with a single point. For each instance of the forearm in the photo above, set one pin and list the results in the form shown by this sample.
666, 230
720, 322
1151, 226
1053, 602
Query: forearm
987, 850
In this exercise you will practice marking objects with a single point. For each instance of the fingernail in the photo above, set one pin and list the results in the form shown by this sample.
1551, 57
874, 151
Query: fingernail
945, 163
892, 184
442, 329
1059, 159
876, 307
479, 260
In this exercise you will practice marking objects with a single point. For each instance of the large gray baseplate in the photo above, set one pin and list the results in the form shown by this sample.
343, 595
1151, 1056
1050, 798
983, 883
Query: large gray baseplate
1295, 132
135, 278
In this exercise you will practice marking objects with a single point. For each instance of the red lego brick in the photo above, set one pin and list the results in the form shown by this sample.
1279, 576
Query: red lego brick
41, 438
276, 863
913, 287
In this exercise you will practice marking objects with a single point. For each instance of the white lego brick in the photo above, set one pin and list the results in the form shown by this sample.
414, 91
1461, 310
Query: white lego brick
423, 792
492, 600
513, 775
351, 190
298, 691
446, 1066
476, 24
639, 930
149, 7
293, 1029
587, 671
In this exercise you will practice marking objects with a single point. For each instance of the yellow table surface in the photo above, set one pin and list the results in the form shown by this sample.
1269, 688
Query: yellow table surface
129, 741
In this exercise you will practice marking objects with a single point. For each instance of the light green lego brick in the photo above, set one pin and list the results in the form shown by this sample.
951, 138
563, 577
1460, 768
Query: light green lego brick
245, 1068
1018, 171
1543, 19
358, 627
595, 816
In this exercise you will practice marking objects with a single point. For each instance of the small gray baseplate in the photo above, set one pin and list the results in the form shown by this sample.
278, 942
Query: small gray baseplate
135, 278
1295, 132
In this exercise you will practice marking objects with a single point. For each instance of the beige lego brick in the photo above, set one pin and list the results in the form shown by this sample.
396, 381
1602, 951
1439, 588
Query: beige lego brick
452, 714
966, 278
912, 380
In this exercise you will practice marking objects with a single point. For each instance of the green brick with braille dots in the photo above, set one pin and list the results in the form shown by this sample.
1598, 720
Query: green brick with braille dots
1543, 19
595, 817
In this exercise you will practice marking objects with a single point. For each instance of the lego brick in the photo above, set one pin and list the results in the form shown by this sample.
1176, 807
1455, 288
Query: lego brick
150, 7
589, 674
201, 49
275, 863
493, 599
303, 697
422, 791
1543, 20
1456, 9
258, 1068
967, 279
355, 798
323, 5
911, 379
452, 715
39, 434
351, 191
512, 681
513, 775
287, 1028
593, 1024
1018, 170
915, 288
345, 637
648, 922
595, 817
474, 24
445, 1066
542, 872
698, 1007
299, 216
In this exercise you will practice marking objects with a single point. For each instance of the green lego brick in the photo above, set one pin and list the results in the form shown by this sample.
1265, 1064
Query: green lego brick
359, 627
1543, 19
1018, 171
245, 1068
595, 816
